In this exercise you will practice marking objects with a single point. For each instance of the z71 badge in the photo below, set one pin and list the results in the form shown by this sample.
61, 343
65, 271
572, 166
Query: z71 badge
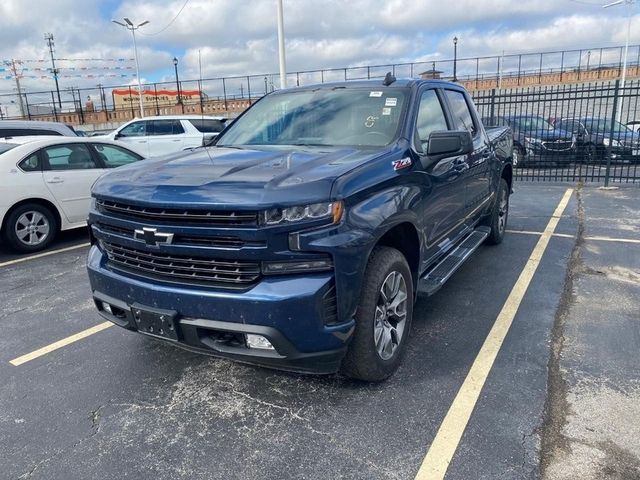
402, 163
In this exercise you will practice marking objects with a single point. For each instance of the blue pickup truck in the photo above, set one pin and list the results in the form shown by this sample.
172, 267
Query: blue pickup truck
301, 239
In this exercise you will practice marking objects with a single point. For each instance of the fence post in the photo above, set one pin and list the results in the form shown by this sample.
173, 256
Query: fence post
614, 114
493, 104
249, 88
80, 105
224, 92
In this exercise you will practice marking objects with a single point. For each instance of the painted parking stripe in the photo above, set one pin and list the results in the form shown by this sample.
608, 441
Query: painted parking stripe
44, 254
59, 344
595, 238
446, 441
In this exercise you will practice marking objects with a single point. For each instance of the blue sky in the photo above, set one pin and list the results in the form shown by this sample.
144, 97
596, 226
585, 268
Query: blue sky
239, 37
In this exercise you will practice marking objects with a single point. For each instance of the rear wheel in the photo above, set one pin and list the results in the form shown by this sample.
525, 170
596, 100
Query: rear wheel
383, 318
30, 227
499, 214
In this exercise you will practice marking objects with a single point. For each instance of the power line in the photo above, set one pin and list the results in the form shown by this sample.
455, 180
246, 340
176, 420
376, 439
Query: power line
168, 24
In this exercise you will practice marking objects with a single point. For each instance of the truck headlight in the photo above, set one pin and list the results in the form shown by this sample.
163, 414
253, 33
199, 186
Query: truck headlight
611, 142
317, 211
532, 140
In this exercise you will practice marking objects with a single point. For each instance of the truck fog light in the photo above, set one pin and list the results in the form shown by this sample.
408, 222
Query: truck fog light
258, 341
107, 308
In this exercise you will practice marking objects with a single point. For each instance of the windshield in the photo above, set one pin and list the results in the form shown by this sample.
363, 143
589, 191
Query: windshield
324, 117
5, 147
604, 126
533, 123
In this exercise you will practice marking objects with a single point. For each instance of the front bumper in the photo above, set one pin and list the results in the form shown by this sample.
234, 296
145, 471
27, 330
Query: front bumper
287, 310
539, 155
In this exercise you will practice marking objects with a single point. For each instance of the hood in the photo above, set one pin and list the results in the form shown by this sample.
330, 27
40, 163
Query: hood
219, 176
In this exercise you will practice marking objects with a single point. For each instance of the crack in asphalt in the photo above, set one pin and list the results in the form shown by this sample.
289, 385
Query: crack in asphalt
556, 409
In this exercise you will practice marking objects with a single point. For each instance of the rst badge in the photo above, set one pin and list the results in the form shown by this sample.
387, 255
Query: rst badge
402, 163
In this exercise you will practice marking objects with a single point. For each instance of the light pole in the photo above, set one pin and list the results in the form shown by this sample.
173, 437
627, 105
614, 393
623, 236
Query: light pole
627, 4
588, 59
283, 62
455, 59
130, 26
175, 65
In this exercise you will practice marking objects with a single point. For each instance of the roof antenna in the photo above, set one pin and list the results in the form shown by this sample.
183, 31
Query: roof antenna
388, 79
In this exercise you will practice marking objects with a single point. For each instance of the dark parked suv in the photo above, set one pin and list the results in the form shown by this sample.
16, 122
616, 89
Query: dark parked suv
595, 138
536, 141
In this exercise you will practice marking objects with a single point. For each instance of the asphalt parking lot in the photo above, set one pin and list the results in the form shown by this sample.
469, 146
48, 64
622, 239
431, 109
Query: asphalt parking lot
117, 405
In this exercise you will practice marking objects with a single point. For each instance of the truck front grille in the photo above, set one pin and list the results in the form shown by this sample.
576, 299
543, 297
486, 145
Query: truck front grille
182, 269
558, 145
181, 215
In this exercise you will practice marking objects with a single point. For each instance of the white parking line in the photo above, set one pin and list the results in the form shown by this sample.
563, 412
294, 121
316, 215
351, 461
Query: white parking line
446, 441
44, 254
595, 238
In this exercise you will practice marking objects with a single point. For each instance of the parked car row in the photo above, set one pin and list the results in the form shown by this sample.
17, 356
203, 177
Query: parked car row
560, 141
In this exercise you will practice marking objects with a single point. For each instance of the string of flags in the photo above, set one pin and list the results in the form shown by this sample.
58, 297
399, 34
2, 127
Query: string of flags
73, 60
3, 69
89, 75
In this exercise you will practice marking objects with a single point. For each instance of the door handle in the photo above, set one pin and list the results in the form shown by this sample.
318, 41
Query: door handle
460, 165
55, 180
176, 140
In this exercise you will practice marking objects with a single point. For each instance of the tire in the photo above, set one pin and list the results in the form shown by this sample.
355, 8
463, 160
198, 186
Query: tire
367, 359
29, 228
517, 157
499, 214
590, 154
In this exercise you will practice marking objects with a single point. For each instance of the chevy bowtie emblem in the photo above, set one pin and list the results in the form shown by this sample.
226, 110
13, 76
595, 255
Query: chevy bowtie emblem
152, 238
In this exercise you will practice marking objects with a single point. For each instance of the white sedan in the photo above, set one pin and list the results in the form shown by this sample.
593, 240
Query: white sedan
45, 185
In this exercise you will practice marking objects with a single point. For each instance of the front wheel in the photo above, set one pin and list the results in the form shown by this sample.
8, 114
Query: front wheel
499, 214
383, 318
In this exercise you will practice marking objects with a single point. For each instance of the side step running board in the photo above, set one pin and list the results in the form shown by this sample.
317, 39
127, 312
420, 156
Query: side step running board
432, 281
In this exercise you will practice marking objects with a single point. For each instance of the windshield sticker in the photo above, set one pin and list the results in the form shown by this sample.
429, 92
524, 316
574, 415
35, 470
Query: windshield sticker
370, 121
402, 163
375, 94
386, 111
391, 102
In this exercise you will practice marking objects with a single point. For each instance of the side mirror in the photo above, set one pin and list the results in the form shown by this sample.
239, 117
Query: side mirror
449, 143
117, 136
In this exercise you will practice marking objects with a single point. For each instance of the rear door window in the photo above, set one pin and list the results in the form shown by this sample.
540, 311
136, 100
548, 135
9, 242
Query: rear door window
113, 156
165, 127
460, 112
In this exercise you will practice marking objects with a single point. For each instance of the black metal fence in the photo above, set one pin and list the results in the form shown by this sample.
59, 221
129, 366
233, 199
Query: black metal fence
586, 132
578, 64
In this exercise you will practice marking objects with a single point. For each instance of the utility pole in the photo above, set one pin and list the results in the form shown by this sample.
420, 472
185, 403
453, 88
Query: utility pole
49, 38
16, 76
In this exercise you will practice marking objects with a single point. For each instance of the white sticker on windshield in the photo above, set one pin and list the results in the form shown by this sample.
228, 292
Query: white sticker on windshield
375, 94
386, 111
391, 102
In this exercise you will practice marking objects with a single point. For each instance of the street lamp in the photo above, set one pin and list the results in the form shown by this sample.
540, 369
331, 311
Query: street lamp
455, 58
283, 62
175, 65
130, 26
628, 4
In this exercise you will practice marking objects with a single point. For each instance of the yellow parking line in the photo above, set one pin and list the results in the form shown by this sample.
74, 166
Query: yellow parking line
45, 254
59, 344
446, 441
